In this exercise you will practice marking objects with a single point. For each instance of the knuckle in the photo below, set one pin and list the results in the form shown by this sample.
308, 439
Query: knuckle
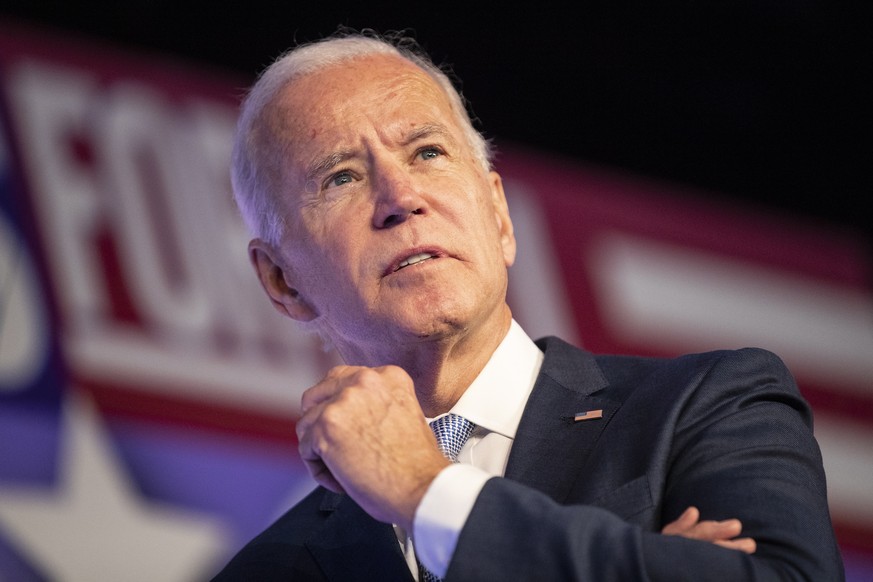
307, 400
367, 375
397, 375
338, 370
333, 417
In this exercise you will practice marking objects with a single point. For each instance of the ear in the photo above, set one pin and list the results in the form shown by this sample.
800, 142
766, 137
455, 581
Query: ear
504, 222
276, 281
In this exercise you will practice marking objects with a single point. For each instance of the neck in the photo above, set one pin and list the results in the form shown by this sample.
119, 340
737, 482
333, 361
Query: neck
442, 368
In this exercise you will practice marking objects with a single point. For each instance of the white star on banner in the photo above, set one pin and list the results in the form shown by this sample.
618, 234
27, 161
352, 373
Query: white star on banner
95, 527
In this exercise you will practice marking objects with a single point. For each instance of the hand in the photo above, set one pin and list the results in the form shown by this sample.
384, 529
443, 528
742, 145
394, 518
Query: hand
363, 433
722, 533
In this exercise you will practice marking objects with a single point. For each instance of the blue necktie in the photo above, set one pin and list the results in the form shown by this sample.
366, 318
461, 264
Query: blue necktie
451, 431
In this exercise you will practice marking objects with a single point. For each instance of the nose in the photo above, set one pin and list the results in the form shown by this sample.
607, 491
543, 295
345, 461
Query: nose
397, 198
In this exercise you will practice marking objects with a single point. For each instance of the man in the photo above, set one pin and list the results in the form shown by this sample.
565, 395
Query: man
379, 224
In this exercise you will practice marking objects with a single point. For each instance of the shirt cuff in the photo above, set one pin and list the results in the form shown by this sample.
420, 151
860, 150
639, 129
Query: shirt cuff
442, 513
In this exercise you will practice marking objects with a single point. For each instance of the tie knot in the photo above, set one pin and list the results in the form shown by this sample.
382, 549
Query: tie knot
451, 432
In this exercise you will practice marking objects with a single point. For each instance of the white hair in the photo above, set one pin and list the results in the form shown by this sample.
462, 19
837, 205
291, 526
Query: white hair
256, 163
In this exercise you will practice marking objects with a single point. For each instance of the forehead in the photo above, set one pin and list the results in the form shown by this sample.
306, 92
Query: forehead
385, 95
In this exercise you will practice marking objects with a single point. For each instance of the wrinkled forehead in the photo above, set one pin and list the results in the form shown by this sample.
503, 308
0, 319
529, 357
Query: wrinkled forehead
335, 100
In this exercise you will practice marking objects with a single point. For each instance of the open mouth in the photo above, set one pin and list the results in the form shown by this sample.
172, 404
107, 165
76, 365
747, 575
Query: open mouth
414, 259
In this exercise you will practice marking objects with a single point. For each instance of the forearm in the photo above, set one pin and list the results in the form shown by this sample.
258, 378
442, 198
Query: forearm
517, 533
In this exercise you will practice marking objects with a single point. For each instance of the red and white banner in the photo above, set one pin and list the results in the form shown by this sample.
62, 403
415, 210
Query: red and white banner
148, 391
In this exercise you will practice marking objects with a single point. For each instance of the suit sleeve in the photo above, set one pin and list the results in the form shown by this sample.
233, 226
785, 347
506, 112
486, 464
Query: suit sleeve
741, 445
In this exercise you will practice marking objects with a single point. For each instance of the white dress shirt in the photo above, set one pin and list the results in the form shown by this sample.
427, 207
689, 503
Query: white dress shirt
494, 402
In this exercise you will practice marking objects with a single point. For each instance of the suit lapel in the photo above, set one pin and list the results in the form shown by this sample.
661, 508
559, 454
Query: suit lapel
548, 430
351, 545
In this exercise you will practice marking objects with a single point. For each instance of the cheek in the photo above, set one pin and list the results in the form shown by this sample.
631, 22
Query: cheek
336, 266
309, 267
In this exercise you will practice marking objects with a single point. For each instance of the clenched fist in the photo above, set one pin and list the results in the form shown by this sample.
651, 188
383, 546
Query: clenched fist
363, 433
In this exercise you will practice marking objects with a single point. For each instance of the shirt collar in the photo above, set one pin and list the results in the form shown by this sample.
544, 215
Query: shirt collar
497, 397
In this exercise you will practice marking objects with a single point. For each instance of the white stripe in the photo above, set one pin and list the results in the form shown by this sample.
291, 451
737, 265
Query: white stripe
537, 294
121, 359
675, 298
848, 461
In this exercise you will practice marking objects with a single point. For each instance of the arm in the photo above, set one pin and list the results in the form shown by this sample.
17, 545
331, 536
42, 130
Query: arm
740, 446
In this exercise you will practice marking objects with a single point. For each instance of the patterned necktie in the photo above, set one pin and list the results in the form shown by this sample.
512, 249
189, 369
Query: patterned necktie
451, 431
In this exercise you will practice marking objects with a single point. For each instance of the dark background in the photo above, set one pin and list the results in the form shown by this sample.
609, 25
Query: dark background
763, 101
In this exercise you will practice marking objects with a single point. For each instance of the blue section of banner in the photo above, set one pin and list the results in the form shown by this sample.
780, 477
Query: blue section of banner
43, 387
31, 381
859, 566
31, 377
14, 567
246, 484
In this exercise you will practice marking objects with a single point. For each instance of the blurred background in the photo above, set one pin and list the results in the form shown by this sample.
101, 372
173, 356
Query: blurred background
682, 177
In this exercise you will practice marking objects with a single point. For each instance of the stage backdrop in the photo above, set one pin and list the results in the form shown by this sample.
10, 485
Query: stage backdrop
148, 392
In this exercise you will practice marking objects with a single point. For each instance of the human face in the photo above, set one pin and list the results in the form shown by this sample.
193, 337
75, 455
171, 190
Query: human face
396, 231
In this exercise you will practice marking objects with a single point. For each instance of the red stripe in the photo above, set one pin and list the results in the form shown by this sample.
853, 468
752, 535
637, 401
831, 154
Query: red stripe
854, 536
847, 405
135, 402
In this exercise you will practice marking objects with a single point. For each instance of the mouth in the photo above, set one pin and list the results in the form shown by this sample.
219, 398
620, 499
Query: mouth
414, 258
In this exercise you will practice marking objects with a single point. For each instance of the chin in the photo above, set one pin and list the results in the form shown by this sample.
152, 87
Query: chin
438, 323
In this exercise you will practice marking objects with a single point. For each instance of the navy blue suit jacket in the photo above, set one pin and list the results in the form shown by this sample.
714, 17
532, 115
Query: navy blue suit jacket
725, 431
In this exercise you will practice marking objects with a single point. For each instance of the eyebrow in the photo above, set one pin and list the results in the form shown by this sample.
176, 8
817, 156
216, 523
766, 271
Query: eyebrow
425, 131
326, 163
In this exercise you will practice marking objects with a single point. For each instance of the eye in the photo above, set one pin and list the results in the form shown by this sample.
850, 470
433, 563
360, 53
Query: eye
339, 179
430, 152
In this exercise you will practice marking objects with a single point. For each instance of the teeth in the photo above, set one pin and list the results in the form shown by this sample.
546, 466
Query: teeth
415, 259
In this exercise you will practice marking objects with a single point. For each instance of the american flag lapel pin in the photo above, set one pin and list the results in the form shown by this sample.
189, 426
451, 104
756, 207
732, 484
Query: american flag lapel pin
588, 415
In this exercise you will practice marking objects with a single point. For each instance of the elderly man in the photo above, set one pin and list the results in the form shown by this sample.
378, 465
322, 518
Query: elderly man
380, 225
